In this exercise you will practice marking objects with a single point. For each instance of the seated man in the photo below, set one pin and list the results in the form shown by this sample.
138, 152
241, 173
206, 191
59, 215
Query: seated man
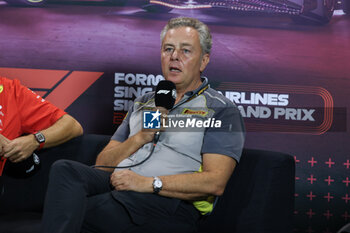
172, 180
29, 123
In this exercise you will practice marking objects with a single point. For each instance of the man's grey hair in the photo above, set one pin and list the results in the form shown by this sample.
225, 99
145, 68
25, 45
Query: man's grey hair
202, 29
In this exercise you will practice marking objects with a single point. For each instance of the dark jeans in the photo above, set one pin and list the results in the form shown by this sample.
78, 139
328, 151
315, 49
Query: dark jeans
80, 199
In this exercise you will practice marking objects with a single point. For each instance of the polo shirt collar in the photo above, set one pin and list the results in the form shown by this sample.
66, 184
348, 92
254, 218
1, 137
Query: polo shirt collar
204, 80
191, 94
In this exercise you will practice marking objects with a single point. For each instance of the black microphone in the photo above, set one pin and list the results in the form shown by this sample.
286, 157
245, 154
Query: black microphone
165, 97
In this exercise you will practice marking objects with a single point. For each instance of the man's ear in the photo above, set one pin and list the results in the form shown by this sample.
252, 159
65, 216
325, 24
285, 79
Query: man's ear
204, 62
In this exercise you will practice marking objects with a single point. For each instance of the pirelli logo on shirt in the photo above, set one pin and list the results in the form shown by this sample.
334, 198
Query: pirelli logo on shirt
187, 111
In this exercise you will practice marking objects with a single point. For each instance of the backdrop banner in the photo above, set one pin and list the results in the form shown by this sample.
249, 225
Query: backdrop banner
94, 63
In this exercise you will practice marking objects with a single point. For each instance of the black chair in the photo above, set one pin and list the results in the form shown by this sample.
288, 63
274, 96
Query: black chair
345, 229
258, 198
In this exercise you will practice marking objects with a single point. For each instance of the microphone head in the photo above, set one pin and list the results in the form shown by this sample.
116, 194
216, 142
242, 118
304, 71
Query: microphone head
23, 169
165, 94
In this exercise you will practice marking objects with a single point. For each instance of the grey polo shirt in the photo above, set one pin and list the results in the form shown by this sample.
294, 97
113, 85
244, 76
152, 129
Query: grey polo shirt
180, 149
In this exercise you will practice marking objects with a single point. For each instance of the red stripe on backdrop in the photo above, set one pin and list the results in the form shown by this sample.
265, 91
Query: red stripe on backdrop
72, 87
34, 78
65, 93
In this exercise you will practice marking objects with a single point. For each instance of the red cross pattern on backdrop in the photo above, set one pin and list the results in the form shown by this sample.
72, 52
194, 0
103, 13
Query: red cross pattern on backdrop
322, 193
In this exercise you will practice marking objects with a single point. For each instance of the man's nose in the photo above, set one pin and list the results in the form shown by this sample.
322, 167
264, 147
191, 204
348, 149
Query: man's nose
175, 55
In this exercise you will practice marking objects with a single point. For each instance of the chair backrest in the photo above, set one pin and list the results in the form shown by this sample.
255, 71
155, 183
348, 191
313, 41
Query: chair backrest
345, 229
258, 198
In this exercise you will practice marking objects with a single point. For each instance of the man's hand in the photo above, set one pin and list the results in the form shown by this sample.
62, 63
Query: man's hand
127, 180
20, 148
115, 151
3, 141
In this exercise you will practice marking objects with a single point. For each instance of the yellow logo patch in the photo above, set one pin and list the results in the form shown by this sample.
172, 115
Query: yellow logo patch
194, 112
1, 88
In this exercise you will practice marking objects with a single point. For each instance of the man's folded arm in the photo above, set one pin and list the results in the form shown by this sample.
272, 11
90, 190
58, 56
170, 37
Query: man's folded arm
217, 170
61, 131
116, 151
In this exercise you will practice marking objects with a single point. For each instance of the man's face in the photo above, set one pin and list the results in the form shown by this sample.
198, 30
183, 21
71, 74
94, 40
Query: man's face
181, 57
